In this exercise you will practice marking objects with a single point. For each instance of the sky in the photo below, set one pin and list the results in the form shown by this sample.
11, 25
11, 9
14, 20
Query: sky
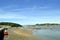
27, 12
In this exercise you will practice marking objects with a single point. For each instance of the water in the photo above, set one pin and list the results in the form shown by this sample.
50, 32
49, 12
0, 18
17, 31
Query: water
48, 34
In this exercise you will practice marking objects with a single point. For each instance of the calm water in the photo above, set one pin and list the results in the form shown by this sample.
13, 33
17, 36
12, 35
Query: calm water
49, 34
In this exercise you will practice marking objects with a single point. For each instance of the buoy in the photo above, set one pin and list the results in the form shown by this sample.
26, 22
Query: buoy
5, 32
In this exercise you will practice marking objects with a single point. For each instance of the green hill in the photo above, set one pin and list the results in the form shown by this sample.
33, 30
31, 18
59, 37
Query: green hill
10, 24
47, 24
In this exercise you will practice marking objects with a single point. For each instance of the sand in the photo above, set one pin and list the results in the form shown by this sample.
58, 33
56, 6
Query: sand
21, 34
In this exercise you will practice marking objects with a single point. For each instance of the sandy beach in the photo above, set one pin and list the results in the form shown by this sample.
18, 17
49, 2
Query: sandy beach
21, 34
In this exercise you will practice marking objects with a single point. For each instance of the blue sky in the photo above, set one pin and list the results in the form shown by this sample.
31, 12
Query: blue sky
30, 11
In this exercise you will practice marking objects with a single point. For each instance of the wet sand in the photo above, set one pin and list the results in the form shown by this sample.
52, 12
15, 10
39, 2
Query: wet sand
21, 34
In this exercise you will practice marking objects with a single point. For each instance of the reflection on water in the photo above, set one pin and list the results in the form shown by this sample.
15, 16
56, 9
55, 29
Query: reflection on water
49, 34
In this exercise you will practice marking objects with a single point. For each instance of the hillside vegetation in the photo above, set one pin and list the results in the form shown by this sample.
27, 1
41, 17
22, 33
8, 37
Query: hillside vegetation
47, 24
10, 24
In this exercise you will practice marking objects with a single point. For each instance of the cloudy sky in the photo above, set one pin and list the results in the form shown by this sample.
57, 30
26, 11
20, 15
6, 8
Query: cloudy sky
30, 11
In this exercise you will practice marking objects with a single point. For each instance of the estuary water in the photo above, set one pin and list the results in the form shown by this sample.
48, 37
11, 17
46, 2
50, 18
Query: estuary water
48, 33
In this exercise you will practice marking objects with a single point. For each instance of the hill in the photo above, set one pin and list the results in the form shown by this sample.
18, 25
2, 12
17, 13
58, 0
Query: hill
47, 24
10, 24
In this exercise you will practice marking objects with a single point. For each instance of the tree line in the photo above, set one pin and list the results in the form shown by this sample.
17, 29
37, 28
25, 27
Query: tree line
10, 24
47, 24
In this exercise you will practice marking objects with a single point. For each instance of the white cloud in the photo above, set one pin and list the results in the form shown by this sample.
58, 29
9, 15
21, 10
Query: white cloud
44, 7
17, 8
12, 16
13, 12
